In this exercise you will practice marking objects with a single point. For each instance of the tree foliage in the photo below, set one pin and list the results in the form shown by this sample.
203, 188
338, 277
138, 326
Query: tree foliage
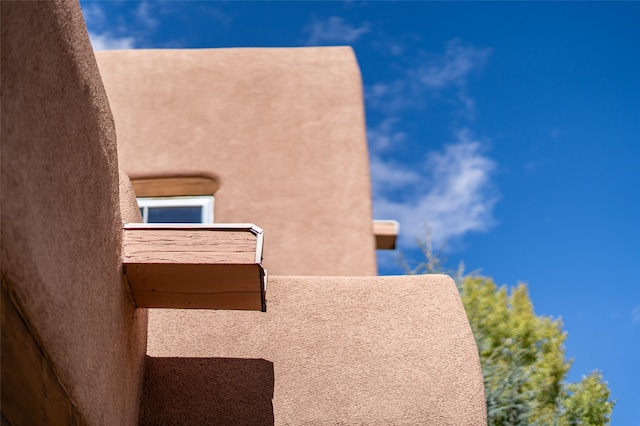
522, 356
588, 402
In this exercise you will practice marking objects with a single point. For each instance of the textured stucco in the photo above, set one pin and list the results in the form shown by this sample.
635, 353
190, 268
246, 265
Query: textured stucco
31, 392
281, 130
61, 223
329, 350
129, 209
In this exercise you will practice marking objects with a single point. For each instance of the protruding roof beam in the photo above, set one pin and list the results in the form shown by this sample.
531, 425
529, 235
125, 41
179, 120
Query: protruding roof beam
386, 233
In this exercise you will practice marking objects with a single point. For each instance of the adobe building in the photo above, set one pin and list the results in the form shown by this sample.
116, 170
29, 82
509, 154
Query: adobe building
292, 324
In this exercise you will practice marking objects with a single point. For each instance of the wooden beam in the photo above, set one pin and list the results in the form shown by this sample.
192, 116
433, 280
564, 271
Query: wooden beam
386, 233
174, 186
197, 266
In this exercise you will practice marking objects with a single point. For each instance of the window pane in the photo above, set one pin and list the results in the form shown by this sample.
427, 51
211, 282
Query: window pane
175, 214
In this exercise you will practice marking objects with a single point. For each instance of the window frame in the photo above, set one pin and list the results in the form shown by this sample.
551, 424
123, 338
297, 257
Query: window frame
204, 201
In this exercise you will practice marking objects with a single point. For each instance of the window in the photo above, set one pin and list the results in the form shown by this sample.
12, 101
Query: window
176, 209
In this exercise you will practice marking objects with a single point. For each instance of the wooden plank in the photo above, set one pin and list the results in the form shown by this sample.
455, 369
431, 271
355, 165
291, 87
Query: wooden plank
249, 301
386, 233
195, 266
174, 186
193, 278
188, 246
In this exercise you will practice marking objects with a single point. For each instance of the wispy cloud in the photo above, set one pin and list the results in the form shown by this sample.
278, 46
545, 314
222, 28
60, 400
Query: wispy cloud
453, 67
384, 135
451, 189
385, 174
635, 314
93, 14
106, 35
106, 41
121, 25
392, 97
431, 74
389, 47
145, 15
388, 175
334, 30
452, 192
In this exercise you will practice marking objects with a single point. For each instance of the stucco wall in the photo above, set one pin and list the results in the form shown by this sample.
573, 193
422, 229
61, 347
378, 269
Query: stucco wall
129, 209
281, 129
60, 215
329, 350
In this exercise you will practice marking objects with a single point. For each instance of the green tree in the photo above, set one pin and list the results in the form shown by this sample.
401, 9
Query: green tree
587, 402
522, 356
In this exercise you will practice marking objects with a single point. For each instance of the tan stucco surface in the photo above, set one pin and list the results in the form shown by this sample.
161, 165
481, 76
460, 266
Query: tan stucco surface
31, 392
332, 350
60, 215
282, 130
129, 209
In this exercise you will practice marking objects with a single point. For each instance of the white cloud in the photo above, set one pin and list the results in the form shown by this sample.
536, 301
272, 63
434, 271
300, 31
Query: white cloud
635, 314
113, 27
108, 42
334, 30
102, 37
452, 193
389, 47
386, 175
453, 67
93, 14
434, 73
144, 15
383, 136
392, 97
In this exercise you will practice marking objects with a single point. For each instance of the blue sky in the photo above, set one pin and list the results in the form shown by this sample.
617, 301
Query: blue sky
511, 129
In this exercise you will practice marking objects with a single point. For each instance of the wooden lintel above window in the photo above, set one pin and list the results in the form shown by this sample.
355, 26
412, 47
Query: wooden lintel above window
386, 233
195, 266
174, 186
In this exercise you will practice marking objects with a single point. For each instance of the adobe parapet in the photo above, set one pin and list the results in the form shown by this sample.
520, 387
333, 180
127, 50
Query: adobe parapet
73, 343
329, 350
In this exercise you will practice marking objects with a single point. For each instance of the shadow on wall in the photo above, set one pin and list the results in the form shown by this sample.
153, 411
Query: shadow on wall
212, 391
